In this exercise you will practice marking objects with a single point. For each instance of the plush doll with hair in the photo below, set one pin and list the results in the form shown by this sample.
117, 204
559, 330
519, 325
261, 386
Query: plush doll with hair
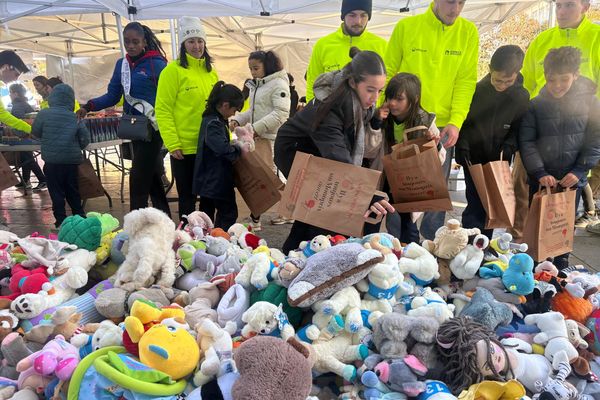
471, 353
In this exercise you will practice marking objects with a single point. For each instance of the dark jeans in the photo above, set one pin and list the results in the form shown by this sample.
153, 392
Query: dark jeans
561, 261
474, 215
146, 172
225, 209
29, 165
183, 172
399, 225
63, 184
433, 220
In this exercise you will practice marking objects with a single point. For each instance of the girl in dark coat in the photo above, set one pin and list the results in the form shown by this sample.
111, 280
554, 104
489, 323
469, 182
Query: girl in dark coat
336, 125
405, 119
213, 169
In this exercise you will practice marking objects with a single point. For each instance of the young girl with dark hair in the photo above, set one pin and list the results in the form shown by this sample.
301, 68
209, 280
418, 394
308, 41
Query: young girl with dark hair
403, 119
184, 87
145, 60
269, 109
213, 174
339, 124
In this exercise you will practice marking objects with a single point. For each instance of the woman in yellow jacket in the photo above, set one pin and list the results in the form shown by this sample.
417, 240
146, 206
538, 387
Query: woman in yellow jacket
183, 88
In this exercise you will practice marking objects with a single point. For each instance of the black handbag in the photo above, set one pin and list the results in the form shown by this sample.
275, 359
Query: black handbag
134, 127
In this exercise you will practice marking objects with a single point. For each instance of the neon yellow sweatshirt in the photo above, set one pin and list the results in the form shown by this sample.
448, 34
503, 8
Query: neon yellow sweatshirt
331, 53
443, 57
585, 37
180, 102
12, 121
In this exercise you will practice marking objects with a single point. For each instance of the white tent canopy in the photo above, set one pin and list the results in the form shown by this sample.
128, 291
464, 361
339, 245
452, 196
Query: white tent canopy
240, 25
89, 28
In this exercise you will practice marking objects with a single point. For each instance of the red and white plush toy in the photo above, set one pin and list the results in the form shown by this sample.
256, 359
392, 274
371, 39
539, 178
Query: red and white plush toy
24, 280
244, 238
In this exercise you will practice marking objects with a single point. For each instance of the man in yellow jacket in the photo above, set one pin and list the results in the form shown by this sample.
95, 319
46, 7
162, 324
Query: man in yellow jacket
332, 52
11, 67
574, 29
442, 49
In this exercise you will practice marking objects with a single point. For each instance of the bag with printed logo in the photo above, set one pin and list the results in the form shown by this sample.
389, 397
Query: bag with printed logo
414, 173
550, 225
330, 194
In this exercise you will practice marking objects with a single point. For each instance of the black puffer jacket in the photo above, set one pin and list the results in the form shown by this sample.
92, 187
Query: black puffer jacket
493, 122
559, 136
334, 138
213, 170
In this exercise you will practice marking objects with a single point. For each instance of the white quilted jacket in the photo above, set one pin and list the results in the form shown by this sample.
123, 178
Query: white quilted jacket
269, 104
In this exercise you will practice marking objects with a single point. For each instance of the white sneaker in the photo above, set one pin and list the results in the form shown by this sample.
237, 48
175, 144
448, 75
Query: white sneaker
255, 225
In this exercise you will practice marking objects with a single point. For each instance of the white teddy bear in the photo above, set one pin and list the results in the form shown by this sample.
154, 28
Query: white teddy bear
346, 303
257, 271
419, 264
216, 348
466, 263
107, 334
383, 285
317, 244
264, 318
31, 305
430, 304
553, 335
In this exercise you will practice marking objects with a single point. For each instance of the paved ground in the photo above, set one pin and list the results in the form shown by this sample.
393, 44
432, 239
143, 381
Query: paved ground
33, 213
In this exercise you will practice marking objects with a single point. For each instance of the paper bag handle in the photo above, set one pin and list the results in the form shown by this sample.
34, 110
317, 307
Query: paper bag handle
380, 217
413, 129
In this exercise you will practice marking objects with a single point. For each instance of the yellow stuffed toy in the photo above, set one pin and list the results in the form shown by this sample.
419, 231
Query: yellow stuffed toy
144, 314
168, 347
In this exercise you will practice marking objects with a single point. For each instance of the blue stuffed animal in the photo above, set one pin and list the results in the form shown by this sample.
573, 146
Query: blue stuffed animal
518, 277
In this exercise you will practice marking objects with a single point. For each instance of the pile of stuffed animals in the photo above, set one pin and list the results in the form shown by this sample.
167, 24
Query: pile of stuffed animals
158, 311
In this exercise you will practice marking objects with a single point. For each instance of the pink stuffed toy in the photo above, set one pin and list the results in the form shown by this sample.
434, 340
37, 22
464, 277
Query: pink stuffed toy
58, 357
28, 281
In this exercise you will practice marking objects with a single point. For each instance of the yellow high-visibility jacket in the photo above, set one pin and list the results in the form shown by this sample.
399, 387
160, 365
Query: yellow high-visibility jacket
585, 37
332, 52
180, 102
443, 57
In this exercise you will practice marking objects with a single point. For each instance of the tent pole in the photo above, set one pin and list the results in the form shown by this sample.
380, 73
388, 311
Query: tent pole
103, 28
550, 14
120, 32
69, 45
174, 46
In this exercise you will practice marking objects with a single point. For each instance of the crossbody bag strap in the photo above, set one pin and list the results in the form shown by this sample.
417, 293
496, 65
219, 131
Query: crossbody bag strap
140, 105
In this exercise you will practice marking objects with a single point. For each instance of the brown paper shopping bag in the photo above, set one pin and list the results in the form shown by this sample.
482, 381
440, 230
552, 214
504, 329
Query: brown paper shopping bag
329, 194
89, 183
550, 225
257, 183
7, 176
494, 185
415, 176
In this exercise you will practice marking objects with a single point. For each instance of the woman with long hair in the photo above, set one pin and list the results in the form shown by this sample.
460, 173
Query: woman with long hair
183, 89
339, 124
139, 84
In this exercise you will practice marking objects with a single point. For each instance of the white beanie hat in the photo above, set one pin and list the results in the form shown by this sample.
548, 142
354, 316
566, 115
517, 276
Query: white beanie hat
190, 27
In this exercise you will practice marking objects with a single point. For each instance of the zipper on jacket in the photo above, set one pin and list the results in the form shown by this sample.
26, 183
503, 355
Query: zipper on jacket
254, 99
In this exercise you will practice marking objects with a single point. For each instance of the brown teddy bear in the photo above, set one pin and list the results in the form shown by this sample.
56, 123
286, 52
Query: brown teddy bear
289, 365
